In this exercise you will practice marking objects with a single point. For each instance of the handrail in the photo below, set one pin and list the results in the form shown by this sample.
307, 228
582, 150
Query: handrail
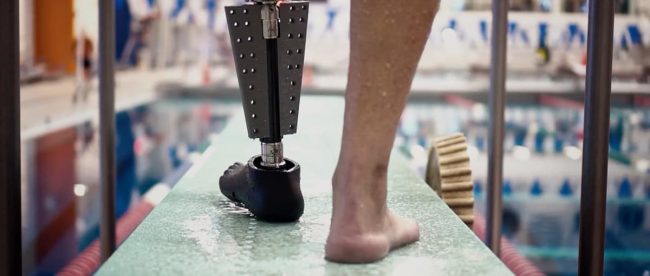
10, 216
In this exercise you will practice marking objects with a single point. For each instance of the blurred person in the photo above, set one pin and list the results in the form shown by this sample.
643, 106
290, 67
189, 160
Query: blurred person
84, 51
143, 15
363, 228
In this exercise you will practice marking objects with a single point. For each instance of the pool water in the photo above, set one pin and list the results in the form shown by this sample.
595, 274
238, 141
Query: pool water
157, 143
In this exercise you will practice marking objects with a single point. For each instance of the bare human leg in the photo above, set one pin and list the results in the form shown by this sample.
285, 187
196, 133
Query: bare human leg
386, 42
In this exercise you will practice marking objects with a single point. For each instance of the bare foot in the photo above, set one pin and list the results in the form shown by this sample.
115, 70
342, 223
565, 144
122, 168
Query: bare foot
363, 230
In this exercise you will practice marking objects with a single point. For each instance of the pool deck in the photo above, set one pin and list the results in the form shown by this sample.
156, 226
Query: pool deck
197, 231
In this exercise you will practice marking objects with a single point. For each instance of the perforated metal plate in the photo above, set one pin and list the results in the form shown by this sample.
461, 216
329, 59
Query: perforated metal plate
249, 50
291, 56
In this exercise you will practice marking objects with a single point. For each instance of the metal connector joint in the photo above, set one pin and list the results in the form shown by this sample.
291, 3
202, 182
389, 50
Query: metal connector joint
270, 20
272, 155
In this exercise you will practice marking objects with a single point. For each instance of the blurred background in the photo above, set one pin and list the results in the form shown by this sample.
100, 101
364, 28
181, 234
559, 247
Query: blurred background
176, 90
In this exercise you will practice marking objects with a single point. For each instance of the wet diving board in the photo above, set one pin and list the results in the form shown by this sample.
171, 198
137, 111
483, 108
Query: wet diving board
197, 231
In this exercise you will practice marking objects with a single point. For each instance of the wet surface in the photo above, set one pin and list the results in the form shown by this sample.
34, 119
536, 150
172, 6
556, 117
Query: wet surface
195, 230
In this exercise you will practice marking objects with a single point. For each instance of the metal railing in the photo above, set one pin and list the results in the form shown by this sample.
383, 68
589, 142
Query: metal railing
10, 225
594, 169
496, 104
107, 126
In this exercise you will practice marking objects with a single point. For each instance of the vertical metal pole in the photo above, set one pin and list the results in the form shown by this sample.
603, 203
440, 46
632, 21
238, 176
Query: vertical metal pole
107, 125
10, 224
496, 132
596, 144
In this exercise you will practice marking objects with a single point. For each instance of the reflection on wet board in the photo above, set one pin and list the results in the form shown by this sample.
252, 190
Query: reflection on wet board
196, 231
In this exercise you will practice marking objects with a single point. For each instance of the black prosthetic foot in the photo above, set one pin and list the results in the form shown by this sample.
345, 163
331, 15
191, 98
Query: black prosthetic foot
268, 193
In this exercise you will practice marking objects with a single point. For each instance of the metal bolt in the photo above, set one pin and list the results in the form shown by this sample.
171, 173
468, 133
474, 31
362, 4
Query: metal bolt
297, 66
299, 35
249, 38
241, 56
253, 115
252, 101
298, 51
293, 83
235, 24
291, 8
243, 71
291, 98
253, 70
288, 67
291, 111
245, 11
301, 19
238, 40
289, 35
252, 55
290, 20
251, 87
288, 52
246, 23
303, 7
290, 126
254, 130
232, 11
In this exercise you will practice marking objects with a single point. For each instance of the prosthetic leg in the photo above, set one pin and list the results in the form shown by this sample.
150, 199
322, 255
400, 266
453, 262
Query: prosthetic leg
268, 42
